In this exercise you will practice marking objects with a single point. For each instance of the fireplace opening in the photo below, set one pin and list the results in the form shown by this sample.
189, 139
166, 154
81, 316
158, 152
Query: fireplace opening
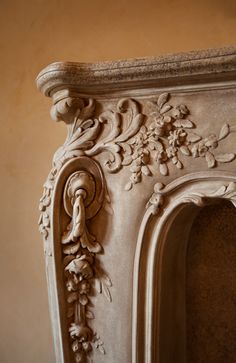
197, 287
211, 286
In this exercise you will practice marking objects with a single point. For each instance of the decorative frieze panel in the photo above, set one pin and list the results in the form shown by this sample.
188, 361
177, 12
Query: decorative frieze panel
133, 126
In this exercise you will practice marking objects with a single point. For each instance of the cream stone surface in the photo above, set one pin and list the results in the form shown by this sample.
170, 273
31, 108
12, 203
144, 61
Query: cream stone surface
33, 35
150, 141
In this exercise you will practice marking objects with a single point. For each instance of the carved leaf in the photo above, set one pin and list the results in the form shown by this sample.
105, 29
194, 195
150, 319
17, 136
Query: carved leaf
225, 130
101, 349
179, 164
225, 158
106, 292
98, 285
83, 139
133, 128
128, 186
83, 299
192, 137
107, 280
126, 147
88, 110
185, 150
162, 99
145, 170
89, 314
114, 120
165, 109
210, 159
108, 208
127, 160
71, 249
197, 199
163, 169
183, 123
70, 312
73, 296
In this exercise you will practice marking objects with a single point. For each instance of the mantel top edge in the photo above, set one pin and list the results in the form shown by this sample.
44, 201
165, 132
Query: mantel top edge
210, 65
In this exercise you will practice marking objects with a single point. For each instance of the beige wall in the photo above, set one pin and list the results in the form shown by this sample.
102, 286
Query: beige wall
33, 34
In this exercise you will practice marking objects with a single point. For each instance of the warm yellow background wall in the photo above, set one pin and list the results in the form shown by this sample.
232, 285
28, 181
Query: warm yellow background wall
33, 34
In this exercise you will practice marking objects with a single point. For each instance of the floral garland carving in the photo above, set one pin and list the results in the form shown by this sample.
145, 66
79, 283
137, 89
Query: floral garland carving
82, 272
165, 138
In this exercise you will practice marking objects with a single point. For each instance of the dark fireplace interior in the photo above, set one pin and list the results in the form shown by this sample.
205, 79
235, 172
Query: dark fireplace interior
211, 286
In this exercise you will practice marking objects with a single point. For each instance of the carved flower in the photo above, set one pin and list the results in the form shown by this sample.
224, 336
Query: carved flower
177, 137
84, 287
211, 141
171, 151
82, 332
161, 126
203, 146
141, 138
71, 285
135, 178
81, 350
180, 111
161, 156
80, 266
80, 357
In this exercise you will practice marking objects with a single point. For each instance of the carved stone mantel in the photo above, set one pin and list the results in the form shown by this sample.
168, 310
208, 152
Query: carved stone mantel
149, 141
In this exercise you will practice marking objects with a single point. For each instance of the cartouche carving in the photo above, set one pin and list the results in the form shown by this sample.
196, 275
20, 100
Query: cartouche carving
82, 272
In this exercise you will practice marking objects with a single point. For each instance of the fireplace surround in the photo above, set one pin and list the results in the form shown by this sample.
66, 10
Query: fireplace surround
151, 143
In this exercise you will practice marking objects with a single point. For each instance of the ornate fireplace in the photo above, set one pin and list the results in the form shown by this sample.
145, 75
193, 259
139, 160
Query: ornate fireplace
150, 149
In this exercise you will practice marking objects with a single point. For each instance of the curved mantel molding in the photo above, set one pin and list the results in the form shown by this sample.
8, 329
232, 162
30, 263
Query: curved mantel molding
214, 65
135, 126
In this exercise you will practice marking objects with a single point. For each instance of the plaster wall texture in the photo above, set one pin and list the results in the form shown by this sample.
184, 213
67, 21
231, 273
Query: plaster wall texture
34, 34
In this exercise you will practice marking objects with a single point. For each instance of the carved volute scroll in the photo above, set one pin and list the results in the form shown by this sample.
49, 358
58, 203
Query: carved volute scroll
163, 122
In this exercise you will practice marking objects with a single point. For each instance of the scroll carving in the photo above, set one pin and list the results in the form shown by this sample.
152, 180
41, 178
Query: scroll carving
226, 191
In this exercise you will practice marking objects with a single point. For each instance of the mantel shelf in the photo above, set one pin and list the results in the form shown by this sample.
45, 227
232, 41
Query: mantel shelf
181, 69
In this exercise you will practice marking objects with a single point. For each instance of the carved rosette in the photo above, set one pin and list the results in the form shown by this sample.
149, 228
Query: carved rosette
145, 142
